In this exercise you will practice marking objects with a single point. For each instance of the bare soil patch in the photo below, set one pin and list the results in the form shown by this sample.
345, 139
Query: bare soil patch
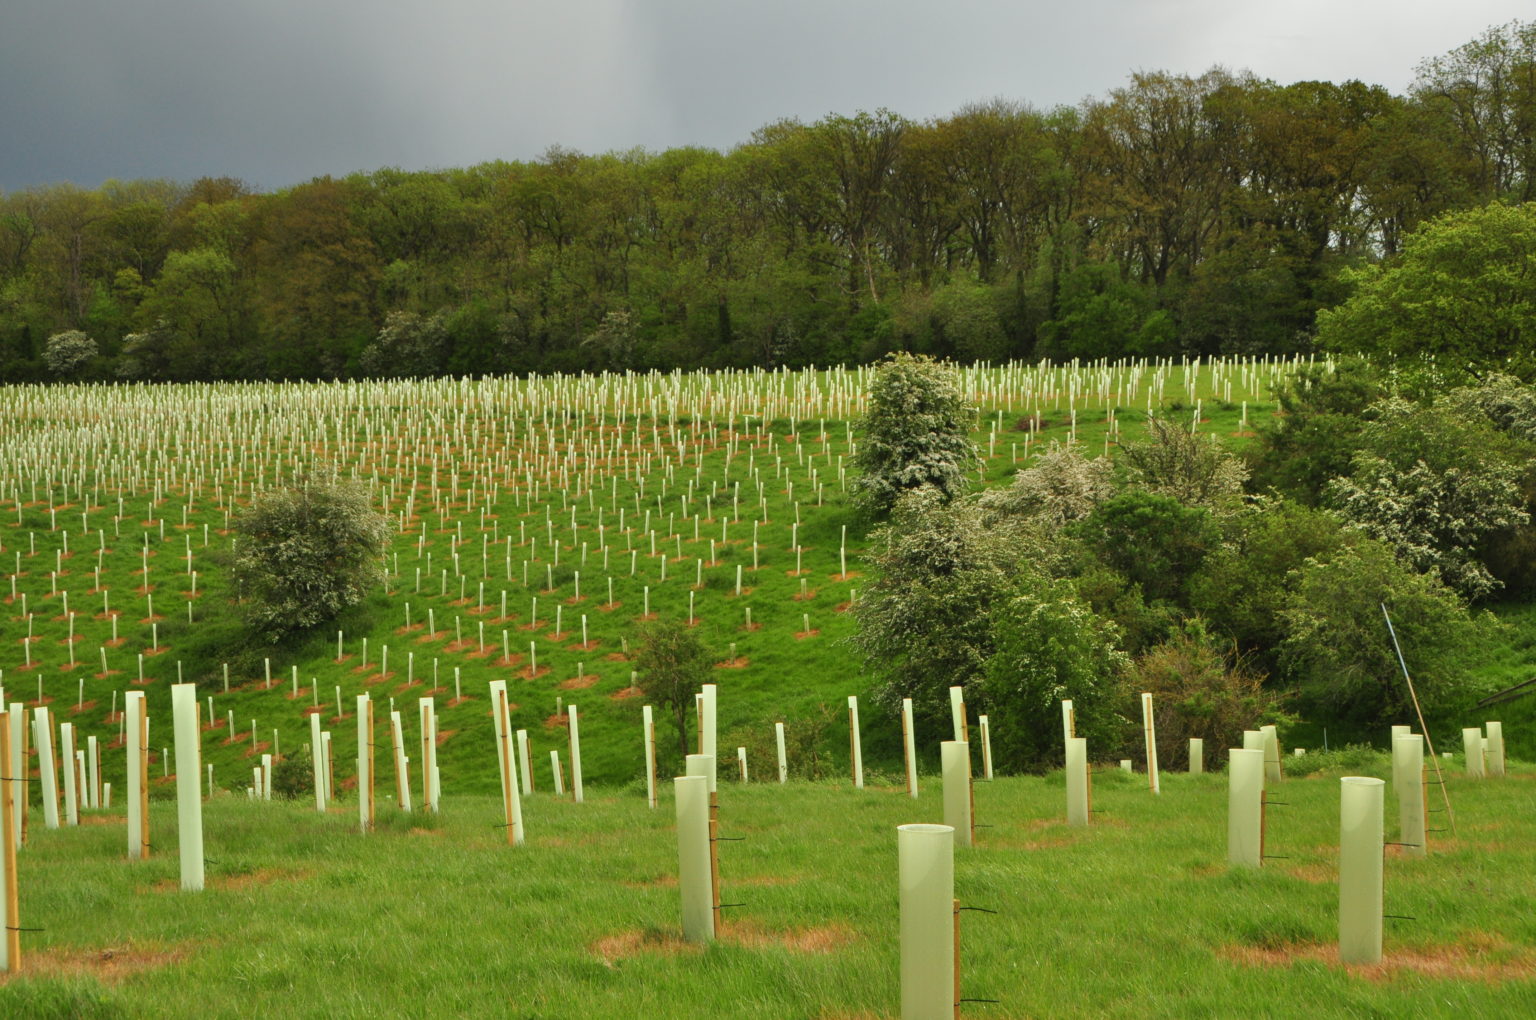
1487, 960
613, 948
108, 964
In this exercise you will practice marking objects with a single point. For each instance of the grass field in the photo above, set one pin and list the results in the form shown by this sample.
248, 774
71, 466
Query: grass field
115, 506
659, 492
1138, 915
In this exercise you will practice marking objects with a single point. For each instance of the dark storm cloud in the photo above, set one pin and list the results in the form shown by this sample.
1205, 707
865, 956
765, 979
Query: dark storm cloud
277, 91
280, 90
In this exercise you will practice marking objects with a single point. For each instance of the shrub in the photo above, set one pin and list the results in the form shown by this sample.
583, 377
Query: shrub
1050, 646
293, 776
1059, 486
1242, 586
1433, 485
1193, 469
1198, 691
66, 352
1337, 650
305, 553
1316, 432
914, 435
1151, 540
923, 621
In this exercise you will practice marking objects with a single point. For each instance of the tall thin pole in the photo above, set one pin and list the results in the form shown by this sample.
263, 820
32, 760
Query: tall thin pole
1433, 757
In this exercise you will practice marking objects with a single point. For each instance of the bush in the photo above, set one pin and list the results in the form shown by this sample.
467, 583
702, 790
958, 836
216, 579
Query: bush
66, 352
1433, 485
1337, 650
924, 620
1242, 586
1198, 691
305, 553
805, 754
1051, 646
1151, 540
293, 776
1195, 470
1059, 486
1316, 433
914, 435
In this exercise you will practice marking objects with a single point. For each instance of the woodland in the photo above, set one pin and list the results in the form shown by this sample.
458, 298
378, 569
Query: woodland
1178, 215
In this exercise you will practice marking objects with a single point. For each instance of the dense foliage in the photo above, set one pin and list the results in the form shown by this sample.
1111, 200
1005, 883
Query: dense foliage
916, 434
1234, 596
306, 552
1177, 214
1463, 293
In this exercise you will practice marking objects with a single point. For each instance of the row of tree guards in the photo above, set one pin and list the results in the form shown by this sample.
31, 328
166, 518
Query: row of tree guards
929, 913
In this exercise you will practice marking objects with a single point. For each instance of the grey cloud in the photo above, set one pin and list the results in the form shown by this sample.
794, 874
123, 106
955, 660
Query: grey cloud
277, 91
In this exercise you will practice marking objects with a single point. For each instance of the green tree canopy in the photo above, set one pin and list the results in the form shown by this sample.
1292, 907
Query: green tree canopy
1463, 293
671, 664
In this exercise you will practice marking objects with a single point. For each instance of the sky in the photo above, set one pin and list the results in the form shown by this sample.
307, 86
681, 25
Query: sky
276, 92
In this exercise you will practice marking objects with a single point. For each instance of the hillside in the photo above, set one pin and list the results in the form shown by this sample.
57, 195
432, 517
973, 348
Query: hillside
649, 492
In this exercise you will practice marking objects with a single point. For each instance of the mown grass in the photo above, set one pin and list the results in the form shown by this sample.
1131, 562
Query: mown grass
1137, 916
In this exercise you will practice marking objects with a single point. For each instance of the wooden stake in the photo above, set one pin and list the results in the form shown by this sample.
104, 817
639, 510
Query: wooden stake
26, 802
906, 758
970, 791
143, 791
10, 918
506, 760
714, 855
957, 958
1263, 820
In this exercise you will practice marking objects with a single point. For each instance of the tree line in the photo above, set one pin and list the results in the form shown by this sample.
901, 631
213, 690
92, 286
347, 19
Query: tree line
1179, 214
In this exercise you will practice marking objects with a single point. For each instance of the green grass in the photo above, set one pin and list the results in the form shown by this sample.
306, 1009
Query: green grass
181, 459
170, 455
1137, 916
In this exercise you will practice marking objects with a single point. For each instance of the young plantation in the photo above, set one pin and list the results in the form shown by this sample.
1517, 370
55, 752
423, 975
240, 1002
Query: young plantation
537, 526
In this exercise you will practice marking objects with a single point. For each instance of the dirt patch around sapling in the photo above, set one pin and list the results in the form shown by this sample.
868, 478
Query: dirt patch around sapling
819, 939
110, 965
612, 949
1485, 959
236, 883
